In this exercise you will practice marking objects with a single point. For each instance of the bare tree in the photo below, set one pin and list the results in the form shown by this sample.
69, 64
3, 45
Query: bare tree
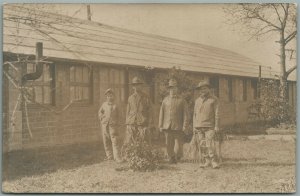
29, 20
261, 20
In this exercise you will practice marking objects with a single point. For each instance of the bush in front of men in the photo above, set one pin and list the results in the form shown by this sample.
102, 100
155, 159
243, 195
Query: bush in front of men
140, 156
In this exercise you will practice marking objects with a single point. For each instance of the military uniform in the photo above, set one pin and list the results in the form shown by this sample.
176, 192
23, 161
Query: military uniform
205, 123
108, 116
138, 116
173, 121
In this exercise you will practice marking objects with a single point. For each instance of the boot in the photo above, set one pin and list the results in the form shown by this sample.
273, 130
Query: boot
215, 164
108, 159
206, 164
119, 160
172, 160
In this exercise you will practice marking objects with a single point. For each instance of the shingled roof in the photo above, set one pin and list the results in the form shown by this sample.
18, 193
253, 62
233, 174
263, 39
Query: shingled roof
76, 39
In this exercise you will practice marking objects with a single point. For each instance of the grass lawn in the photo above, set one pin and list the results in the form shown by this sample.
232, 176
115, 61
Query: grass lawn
248, 166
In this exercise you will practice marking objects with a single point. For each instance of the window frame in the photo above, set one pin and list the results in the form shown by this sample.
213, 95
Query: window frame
38, 83
245, 89
215, 83
254, 86
88, 84
230, 89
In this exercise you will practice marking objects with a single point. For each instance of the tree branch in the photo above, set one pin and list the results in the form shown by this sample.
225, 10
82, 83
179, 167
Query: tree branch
257, 16
286, 11
290, 37
268, 22
262, 31
281, 4
279, 18
270, 30
291, 70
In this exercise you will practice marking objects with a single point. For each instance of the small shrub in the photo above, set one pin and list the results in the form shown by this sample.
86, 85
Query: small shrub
141, 156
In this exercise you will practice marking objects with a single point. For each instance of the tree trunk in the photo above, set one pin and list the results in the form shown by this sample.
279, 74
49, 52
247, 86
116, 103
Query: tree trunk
283, 75
283, 79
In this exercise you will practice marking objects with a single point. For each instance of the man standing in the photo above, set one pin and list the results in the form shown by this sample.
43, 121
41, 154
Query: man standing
206, 123
139, 114
173, 122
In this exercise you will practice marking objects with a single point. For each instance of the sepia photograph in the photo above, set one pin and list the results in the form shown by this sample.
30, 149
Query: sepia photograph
149, 98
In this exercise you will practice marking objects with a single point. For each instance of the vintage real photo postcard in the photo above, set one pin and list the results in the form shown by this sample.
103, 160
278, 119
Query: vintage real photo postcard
149, 98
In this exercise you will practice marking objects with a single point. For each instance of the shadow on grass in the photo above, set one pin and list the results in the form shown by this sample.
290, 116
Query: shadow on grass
24, 163
243, 159
238, 165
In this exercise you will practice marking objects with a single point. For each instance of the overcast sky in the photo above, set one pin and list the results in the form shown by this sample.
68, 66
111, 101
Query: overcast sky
202, 23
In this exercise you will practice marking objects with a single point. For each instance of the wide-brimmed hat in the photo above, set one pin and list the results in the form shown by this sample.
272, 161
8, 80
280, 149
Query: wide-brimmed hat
172, 83
136, 80
109, 91
202, 84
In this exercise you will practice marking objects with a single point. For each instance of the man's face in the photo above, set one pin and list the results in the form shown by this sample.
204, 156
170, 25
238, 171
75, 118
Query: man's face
137, 87
110, 97
204, 91
173, 90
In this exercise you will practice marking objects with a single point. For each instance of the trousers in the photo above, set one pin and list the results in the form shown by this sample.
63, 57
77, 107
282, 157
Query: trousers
174, 144
204, 139
111, 141
137, 133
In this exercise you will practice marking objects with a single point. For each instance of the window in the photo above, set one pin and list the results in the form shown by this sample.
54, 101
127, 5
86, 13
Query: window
254, 88
230, 92
244, 89
214, 81
42, 90
117, 83
80, 83
116, 79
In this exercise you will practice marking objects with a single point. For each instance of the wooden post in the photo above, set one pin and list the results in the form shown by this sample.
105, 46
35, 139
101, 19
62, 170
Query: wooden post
89, 15
259, 74
259, 81
126, 82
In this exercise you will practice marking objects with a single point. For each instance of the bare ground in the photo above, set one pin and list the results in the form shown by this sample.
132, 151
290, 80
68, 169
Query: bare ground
248, 167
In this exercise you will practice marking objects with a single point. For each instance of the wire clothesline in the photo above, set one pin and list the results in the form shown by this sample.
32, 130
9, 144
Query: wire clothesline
103, 49
24, 95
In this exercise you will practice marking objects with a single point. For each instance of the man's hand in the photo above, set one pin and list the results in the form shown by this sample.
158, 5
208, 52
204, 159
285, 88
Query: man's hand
186, 131
217, 129
195, 130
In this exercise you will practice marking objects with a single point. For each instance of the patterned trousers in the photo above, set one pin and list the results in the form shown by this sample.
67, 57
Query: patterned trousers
203, 138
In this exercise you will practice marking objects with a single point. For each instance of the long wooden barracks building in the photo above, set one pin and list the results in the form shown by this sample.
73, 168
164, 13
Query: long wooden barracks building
81, 59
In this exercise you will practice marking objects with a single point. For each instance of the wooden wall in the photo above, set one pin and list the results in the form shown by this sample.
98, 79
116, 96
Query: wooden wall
79, 123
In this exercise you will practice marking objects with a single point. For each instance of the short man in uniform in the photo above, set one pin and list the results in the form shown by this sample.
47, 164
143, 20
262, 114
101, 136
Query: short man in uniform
139, 114
109, 117
173, 119
206, 123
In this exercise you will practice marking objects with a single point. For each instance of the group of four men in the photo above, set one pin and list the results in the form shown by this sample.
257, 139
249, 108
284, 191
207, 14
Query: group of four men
173, 121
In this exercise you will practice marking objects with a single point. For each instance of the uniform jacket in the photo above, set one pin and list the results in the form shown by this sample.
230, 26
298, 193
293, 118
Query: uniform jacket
108, 114
139, 110
173, 114
206, 112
